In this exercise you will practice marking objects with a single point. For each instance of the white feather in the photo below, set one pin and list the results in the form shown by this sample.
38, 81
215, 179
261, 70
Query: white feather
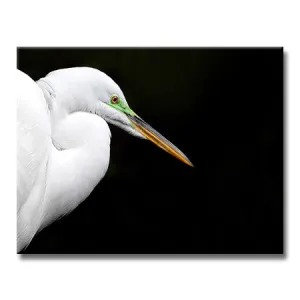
63, 143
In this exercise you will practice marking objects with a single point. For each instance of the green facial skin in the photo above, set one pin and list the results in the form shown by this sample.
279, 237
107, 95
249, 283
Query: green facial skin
121, 106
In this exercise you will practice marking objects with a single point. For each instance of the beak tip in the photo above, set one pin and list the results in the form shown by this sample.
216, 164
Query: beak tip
191, 164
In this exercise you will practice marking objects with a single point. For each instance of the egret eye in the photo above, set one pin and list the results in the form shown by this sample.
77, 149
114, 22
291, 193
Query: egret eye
114, 99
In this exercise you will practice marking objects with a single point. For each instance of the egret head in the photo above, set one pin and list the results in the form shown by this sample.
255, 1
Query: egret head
116, 111
94, 91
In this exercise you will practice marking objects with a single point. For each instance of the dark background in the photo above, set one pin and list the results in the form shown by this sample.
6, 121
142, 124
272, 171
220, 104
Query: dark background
224, 109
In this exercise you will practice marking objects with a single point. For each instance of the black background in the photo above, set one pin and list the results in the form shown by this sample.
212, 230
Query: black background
224, 109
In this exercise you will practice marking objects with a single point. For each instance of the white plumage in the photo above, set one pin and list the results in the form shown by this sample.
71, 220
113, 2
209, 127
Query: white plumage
64, 142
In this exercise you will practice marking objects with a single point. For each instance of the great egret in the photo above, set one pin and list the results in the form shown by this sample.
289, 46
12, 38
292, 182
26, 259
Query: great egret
64, 142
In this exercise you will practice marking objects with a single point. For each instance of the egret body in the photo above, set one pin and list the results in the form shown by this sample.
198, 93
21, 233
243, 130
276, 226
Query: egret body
63, 146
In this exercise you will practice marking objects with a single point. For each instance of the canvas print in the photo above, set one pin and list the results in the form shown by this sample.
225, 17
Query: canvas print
150, 151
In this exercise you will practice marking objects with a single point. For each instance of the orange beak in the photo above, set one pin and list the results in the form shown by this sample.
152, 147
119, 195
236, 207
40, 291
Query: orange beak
152, 135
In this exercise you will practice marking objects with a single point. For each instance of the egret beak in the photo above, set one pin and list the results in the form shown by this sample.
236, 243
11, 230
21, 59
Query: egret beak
151, 134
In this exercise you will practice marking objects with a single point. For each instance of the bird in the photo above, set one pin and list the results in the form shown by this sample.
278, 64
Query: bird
63, 142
